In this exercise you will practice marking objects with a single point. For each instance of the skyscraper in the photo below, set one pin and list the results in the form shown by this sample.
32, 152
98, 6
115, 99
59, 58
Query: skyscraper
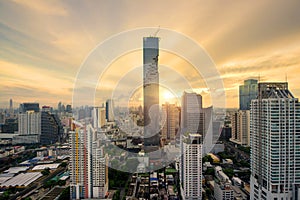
171, 125
151, 92
99, 116
81, 183
11, 109
191, 166
192, 115
109, 110
240, 127
192, 130
275, 143
247, 92
43, 127
29, 106
88, 165
29, 123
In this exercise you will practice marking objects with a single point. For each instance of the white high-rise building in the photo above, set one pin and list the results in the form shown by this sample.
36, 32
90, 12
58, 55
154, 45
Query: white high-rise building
98, 117
100, 172
192, 130
81, 163
275, 143
240, 127
29, 123
88, 165
191, 167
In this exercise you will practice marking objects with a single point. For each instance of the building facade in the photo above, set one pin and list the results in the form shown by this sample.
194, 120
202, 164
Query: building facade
223, 191
191, 167
99, 116
45, 126
109, 110
275, 143
247, 92
192, 113
171, 123
240, 127
88, 165
192, 130
151, 93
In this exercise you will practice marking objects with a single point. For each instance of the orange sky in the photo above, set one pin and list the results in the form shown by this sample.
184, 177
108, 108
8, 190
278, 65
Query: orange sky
44, 43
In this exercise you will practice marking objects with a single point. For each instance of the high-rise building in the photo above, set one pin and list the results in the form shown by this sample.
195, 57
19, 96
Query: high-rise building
29, 123
151, 93
109, 108
100, 171
99, 116
29, 107
81, 183
275, 143
171, 124
43, 125
88, 165
240, 127
191, 166
11, 108
192, 130
247, 92
192, 114
69, 108
50, 128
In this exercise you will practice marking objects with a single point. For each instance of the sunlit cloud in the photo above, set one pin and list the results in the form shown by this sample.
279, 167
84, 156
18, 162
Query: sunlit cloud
44, 43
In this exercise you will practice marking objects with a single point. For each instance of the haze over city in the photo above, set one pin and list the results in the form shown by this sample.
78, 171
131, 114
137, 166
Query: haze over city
44, 43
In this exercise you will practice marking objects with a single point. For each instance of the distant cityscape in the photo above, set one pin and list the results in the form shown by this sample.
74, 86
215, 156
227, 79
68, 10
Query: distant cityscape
153, 151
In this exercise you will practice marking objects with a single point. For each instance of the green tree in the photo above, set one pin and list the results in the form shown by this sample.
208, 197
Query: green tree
116, 195
61, 182
46, 172
63, 164
210, 171
65, 194
207, 158
229, 172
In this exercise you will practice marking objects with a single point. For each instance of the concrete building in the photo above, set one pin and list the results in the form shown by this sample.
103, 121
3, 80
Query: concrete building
223, 191
192, 128
151, 93
88, 165
247, 92
99, 117
171, 124
29, 123
24, 107
81, 164
191, 167
275, 143
109, 110
43, 126
240, 127
100, 172
192, 115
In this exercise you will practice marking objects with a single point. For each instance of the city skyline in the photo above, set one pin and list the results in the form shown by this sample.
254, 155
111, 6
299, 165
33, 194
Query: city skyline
39, 63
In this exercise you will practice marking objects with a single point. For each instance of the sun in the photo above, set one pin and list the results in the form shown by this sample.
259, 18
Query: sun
168, 95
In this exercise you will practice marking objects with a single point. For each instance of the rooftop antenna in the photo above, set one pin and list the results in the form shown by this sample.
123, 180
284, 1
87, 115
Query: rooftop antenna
158, 29
286, 79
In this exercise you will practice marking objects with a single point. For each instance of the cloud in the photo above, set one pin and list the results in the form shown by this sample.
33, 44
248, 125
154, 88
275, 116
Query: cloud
44, 42
53, 7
